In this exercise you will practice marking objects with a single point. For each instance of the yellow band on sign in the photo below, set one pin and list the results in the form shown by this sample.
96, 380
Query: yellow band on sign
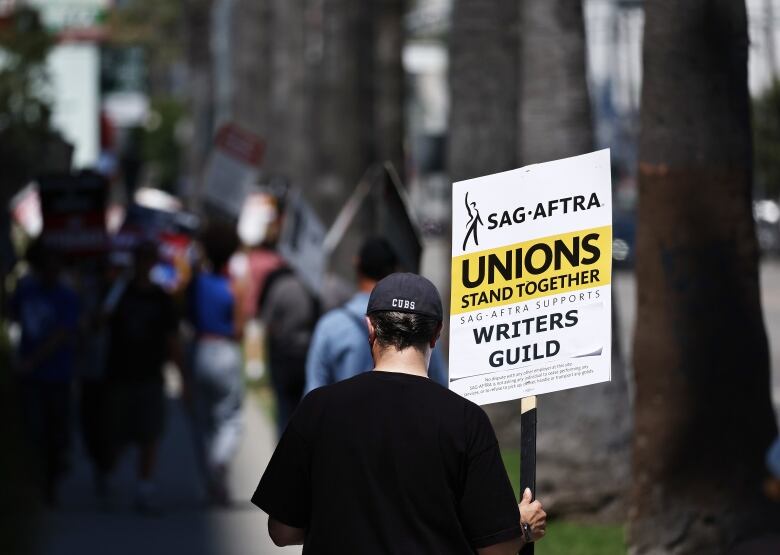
538, 268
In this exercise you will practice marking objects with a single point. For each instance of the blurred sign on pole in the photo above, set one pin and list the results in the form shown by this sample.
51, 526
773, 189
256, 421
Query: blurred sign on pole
173, 231
301, 241
391, 215
395, 219
74, 212
531, 280
232, 169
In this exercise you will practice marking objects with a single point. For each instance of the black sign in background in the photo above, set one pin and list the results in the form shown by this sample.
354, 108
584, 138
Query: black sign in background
74, 211
394, 221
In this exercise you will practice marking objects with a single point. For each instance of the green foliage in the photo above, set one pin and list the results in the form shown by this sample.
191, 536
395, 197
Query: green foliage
766, 141
24, 110
161, 149
511, 459
158, 29
156, 26
569, 538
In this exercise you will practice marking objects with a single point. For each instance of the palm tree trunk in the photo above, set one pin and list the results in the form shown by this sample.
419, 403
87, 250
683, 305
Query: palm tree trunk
555, 114
521, 101
703, 413
388, 81
483, 83
583, 441
197, 14
251, 51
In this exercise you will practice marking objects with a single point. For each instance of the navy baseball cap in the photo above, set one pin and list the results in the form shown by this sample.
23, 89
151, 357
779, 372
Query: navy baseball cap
405, 292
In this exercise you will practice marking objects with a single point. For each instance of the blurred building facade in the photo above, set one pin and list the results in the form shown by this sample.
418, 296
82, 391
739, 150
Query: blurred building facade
74, 70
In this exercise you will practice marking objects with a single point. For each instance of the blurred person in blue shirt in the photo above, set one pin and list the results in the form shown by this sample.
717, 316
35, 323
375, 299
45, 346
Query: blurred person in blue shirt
339, 347
48, 313
218, 382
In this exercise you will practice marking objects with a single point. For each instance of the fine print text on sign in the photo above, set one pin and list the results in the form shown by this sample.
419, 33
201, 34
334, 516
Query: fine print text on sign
531, 280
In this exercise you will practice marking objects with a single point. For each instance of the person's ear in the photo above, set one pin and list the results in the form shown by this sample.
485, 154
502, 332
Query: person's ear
436, 335
371, 331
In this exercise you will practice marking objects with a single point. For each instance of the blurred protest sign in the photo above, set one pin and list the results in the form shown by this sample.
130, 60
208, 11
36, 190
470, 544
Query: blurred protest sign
172, 230
395, 220
301, 241
232, 169
531, 280
74, 212
391, 215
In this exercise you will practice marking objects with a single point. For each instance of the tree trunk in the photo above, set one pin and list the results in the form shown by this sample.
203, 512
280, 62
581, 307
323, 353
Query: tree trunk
703, 413
388, 81
356, 105
483, 84
197, 14
517, 102
583, 444
251, 61
555, 114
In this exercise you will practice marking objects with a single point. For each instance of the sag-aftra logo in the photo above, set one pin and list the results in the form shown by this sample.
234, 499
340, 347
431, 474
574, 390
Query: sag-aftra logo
518, 215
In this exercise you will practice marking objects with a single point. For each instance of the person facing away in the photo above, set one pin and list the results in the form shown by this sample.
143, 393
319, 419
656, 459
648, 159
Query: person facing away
289, 311
339, 346
143, 336
217, 378
391, 462
48, 312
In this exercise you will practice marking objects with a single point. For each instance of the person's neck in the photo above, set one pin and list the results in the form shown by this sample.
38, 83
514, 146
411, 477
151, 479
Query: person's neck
408, 361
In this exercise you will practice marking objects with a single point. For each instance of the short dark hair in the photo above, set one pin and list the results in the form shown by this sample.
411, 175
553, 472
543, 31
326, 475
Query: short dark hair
376, 258
402, 330
219, 241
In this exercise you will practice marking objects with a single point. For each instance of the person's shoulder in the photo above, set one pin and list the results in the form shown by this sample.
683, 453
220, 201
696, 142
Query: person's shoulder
336, 394
323, 393
471, 411
286, 285
333, 321
455, 404
312, 408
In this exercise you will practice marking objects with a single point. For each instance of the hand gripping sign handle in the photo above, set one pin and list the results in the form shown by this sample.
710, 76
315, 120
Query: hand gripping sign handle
528, 453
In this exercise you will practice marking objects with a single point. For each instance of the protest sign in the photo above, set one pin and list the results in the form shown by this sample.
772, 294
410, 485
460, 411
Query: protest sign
395, 220
74, 212
232, 169
301, 242
173, 231
531, 280
381, 192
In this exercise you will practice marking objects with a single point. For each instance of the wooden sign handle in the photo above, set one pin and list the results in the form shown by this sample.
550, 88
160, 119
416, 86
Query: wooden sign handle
528, 453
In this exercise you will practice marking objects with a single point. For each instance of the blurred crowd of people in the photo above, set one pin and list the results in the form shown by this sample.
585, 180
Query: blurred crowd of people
100, 342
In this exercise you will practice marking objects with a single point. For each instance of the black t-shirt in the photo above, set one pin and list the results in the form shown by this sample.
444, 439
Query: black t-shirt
390, 463
140, 328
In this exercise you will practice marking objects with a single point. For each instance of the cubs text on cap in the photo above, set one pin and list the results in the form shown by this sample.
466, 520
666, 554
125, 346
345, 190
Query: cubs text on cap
405, 292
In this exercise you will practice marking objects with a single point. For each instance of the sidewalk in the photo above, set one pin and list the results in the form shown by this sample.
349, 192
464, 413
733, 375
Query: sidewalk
186, 524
